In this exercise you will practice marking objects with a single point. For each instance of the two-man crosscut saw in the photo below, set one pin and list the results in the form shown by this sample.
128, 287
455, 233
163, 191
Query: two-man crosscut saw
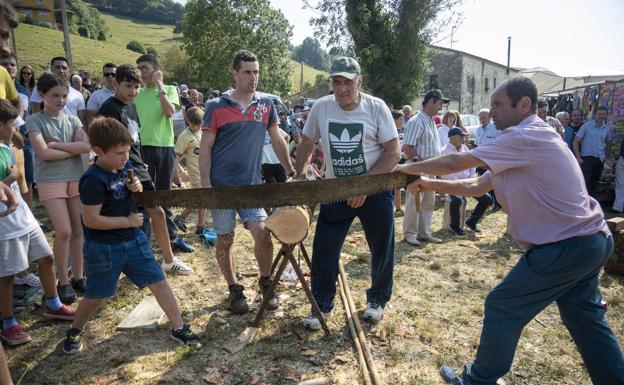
275, 194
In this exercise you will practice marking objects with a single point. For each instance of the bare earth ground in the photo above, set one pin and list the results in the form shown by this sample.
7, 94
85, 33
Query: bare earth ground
434, 317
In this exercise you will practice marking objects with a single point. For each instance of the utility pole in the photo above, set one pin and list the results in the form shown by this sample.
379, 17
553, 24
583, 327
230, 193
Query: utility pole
452, 33
508, 53
68, 53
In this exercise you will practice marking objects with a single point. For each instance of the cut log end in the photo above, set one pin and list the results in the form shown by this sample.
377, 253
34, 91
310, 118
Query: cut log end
289, 225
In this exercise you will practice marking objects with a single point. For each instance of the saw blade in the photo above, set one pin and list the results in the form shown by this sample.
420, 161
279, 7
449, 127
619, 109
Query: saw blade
274, 194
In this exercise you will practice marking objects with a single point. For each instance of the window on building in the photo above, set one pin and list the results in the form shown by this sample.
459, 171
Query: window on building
486, 84
43, 13
41, 3
18, 1
433, 81
494, 85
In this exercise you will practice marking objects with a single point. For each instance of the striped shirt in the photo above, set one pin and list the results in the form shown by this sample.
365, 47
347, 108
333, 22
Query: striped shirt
422, 134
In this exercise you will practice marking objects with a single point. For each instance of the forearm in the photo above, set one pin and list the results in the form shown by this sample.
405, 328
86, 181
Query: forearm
75, 148
166, 105
205, 164
52, 154
281, 151
99, 222
440, 165
462, 187
577, 151
302, 157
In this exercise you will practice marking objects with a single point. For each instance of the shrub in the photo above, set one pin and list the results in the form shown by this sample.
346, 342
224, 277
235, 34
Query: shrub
135, 46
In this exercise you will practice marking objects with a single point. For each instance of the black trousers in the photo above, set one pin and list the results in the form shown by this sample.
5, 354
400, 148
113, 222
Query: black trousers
592, 172
160, 162
481, 171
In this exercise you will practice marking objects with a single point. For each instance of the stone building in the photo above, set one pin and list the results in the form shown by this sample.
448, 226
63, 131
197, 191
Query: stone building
466, 79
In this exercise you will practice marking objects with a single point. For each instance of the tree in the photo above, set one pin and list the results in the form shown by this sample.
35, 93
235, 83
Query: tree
388, 37
176, 65
161, 11
82, 19
311, 53
215, 30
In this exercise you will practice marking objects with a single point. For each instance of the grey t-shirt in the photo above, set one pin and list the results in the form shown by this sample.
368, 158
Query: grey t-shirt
60, 129
351, 140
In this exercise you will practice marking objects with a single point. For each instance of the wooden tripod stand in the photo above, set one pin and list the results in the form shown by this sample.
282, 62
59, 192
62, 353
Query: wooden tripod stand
285, 255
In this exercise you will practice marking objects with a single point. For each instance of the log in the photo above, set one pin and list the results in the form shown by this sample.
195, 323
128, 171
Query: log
615, 264
289, 225
616, 224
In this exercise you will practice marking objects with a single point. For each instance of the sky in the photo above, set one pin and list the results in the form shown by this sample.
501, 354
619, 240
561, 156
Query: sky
569, 37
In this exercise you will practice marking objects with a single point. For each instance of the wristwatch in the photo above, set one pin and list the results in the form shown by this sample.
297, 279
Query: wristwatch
162, 91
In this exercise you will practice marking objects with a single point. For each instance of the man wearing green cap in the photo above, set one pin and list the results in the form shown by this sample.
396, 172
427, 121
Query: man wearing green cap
358, 137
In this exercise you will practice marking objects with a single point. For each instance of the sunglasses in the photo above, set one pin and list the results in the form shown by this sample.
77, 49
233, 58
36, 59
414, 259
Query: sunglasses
109, 74
27, 73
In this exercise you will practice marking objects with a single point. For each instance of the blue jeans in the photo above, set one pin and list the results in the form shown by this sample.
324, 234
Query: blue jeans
566, 272
332, 226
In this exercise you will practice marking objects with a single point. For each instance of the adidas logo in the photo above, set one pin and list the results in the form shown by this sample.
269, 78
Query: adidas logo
345, 144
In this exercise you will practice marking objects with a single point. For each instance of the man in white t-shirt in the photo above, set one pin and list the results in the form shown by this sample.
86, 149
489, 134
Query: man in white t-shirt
100, 96
75, 104
358, 137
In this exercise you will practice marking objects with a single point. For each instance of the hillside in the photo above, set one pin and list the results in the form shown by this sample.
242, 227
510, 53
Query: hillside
37, 45
123, 29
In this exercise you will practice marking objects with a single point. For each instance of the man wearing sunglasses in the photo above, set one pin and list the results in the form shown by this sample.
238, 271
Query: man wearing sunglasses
100, 96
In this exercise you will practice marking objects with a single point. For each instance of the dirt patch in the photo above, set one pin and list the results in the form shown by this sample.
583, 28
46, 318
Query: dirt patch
434, 318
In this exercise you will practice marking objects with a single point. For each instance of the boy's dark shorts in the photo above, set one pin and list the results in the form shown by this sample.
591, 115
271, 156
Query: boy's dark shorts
104, 263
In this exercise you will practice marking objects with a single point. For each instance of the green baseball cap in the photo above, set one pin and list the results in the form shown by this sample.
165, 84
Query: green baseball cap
346, 67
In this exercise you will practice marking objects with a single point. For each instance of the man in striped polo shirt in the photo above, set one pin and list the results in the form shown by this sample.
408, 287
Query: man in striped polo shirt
230, 154
422, 142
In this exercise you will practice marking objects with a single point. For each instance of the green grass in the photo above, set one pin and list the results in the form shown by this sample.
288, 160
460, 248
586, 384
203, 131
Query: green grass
123, 29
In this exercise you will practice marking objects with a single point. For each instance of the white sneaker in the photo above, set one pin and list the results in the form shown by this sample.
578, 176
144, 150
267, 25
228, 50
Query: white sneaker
176, 266
312, 322
373, 312
30, 280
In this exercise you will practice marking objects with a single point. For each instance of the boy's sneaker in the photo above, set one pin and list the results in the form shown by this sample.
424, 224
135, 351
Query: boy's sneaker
458, 231
67, 294
176, 266
200, 230
64, 313
264, 284
79, 285
472, 226
179, 244
237, 300
186, 337
312, 322
72, 343
180, 223
373, 312
15, 336
30, 280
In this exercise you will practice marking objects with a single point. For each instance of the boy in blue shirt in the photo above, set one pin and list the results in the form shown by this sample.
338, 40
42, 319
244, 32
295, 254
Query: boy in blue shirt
114, 242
